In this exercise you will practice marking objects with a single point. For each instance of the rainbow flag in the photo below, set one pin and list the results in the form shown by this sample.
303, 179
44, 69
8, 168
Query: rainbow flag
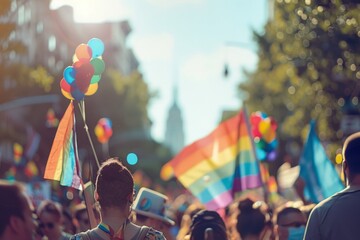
62, 164
219, 165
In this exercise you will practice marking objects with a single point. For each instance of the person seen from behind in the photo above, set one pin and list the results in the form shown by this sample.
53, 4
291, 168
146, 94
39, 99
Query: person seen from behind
338, 216
208, 225
253, 221
114, 192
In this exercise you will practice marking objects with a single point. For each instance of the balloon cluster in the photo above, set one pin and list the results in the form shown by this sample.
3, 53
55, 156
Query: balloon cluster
264, 134
18, 153
81, 79
103, 130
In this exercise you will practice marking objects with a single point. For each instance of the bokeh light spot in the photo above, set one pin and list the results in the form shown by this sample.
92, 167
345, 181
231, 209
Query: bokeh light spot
338, 158
132, 158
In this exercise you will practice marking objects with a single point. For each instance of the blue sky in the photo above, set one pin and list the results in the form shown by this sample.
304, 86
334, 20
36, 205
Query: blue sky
185, 42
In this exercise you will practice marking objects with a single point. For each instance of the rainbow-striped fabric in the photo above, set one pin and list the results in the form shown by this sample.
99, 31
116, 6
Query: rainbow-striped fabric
62, 165
219, 165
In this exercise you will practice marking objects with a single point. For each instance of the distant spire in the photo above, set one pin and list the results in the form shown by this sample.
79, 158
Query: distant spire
175, 94
174, 132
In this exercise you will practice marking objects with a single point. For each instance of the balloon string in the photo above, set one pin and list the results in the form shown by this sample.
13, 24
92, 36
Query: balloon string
82, 113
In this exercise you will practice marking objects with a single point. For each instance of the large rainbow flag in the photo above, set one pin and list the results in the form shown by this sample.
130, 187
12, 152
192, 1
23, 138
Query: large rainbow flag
219, 165
62, 164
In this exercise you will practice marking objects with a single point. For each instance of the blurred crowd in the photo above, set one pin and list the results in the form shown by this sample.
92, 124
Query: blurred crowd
121, 213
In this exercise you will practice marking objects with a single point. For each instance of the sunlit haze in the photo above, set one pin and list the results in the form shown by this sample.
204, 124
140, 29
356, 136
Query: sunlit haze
186, 43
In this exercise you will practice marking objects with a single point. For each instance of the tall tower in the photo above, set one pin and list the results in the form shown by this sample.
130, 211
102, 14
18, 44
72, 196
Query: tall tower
174, 133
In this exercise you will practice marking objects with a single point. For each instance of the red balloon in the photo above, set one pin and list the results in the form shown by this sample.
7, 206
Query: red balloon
65, 86
83, 76
79, 63
273, 124
255, 120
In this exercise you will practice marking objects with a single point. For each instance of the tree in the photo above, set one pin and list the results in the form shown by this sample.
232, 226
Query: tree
308, 67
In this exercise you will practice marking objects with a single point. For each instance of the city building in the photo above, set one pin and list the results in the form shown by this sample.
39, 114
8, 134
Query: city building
174, 132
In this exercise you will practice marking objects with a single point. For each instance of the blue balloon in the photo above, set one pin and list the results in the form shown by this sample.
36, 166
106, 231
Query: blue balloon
97, 47
261, 154
132, 158
274, 144
77, 94
263, 115
69, 74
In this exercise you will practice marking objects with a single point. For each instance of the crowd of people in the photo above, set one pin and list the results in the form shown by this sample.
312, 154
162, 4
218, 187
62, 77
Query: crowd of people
122, 214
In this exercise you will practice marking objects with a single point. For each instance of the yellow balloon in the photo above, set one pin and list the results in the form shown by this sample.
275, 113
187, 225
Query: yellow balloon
18, 148
264, 126
92, 89
99, 131
166, 172
67, 95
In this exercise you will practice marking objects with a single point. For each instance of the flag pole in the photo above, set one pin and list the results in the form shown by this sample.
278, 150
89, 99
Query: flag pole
82, 113
89, 199
254, 152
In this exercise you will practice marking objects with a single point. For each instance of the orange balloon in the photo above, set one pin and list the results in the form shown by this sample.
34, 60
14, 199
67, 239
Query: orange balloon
269, 136
92, 89
83, 51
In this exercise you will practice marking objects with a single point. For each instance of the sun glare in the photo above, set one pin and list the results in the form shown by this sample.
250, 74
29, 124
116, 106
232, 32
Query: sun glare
94, 10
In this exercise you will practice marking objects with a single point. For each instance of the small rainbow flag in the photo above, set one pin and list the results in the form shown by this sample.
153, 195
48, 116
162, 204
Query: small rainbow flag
62, 164
219, 165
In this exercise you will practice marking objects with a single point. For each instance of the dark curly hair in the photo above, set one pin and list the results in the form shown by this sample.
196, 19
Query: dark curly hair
204, 220
114, 183
251, 219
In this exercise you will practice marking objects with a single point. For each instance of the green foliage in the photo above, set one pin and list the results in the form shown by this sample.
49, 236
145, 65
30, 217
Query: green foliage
309, 58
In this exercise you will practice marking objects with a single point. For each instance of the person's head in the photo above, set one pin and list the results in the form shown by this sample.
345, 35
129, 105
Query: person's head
207, 222
114, 186
351, 156
253, 220
186, 219
290, 223
68, 223
16, 213
150, 209
50, 216
81, 218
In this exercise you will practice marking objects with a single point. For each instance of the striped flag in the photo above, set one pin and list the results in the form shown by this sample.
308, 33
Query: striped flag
219, 165
62, 165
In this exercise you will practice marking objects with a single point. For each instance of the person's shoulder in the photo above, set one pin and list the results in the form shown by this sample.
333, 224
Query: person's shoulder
329, 201
65, 235
89, 234
154, 234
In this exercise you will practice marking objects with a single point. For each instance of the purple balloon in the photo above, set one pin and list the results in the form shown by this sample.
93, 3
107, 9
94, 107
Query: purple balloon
272, 156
